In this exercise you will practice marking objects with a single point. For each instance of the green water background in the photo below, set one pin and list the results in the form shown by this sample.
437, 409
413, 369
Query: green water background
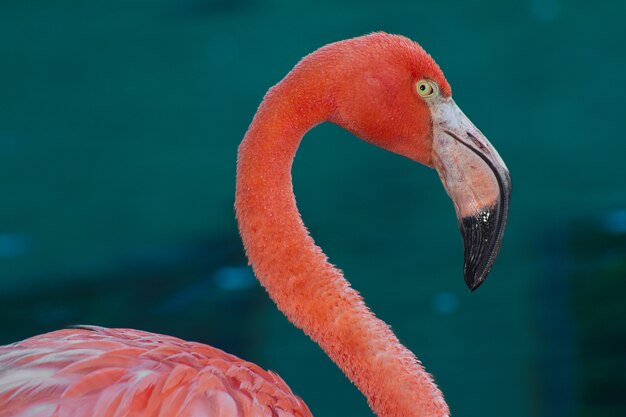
119, 124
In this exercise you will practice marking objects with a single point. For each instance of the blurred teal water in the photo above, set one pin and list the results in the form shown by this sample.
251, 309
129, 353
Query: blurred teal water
119, 123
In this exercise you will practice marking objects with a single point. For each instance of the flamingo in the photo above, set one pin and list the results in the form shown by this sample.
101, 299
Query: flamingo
384, 89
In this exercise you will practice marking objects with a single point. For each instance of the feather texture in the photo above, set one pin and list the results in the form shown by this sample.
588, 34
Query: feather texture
100, 372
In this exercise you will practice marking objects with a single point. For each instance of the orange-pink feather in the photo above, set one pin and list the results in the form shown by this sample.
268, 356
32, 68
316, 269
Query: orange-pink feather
98, 372
367, 86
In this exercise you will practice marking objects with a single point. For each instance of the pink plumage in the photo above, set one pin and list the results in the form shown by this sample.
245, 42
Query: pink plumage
99, 372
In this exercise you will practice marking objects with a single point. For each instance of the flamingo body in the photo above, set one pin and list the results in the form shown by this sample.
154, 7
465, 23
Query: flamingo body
100, 372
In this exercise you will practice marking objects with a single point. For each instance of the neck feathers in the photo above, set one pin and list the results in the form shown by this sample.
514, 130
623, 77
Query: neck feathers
311, 292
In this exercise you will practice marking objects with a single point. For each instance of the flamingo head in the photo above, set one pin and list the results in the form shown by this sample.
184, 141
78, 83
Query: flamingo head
392, 94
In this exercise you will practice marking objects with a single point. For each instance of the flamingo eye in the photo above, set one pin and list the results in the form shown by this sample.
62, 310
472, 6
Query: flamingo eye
427, 89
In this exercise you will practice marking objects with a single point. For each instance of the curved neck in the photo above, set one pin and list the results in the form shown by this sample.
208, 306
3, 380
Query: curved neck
311, 292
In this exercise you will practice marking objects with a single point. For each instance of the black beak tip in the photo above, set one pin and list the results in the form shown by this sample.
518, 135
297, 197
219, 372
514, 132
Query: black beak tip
481, 237
473, 282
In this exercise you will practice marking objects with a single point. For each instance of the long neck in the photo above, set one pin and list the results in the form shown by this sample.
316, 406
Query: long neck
311, 292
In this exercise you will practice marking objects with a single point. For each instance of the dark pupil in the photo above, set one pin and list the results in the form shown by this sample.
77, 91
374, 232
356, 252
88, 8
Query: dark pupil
422, 87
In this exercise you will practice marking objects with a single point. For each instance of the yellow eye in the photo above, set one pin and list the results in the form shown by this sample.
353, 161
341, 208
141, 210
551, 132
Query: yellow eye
427, 88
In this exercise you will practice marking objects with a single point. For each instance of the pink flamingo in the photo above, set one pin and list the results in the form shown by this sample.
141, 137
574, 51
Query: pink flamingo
386, 90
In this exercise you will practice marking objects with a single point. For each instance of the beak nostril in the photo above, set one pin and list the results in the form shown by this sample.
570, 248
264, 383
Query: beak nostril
476, 141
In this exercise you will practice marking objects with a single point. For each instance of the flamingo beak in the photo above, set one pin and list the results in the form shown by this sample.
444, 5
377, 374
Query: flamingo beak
477, 181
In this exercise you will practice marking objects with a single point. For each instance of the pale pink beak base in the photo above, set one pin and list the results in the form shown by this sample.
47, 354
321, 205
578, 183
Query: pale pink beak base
477, 181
